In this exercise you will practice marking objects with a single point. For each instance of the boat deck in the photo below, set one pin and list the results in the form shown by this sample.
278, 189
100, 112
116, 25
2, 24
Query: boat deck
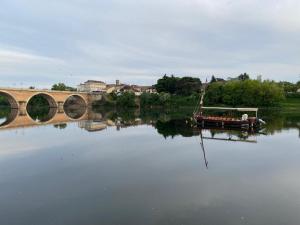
222, 121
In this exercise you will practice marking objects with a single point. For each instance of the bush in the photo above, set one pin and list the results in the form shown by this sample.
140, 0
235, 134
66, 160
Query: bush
154, 99
126, 99
293, 95
244, 93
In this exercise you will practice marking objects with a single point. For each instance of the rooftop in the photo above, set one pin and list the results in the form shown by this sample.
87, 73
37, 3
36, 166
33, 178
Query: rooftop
94, 81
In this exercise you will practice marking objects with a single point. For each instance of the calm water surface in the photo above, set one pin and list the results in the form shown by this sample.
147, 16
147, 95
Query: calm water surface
133, 168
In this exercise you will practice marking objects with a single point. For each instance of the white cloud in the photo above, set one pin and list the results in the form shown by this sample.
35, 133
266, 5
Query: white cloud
17, 57
134, 40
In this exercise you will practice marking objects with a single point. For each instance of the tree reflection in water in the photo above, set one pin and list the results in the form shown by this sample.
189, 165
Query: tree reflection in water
168, 122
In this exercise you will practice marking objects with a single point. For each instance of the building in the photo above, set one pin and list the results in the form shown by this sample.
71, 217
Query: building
148, 89
114, 87
99, 86
138, 90
92, 86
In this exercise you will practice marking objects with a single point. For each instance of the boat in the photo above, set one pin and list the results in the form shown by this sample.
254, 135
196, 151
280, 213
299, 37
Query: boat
225, 121
245, 122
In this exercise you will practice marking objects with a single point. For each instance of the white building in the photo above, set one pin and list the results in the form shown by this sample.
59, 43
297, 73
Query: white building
92, 86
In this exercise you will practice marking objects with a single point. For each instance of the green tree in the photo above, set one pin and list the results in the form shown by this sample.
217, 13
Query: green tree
244, 93
178, 86
244, 76
126, 99
62, 87
213, 79
288, 87
188, 86
214, 93
167, 84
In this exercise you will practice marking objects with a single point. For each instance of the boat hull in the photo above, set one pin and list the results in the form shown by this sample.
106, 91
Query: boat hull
212, 121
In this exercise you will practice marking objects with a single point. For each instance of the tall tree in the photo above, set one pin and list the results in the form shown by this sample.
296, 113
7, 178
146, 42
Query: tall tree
188, 86
244, 76
167, 84
178, 86
213, 79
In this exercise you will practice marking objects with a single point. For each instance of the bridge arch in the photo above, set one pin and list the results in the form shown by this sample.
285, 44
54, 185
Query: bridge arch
11, 100
75, 113
13, 114
49, 117
50, 99
42, 115
75, 99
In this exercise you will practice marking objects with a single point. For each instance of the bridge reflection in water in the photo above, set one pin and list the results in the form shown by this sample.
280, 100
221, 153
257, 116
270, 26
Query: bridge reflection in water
17, 118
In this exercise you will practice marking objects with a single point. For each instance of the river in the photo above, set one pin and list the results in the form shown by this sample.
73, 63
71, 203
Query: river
146, 167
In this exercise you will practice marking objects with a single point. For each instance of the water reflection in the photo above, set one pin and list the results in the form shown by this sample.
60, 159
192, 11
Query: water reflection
15, 118
75, 113
42, 114
7, 115
225, 136
168, 124
145, 167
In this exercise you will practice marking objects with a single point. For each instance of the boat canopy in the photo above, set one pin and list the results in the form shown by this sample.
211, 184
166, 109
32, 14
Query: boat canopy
237, 109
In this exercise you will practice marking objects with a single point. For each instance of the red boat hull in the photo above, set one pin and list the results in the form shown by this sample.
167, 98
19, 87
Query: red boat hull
226, 121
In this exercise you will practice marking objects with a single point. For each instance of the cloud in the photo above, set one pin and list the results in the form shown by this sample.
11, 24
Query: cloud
19, 66
138, 41
16, 57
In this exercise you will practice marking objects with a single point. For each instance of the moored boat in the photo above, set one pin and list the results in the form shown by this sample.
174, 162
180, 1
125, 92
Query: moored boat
224, 121
245, 122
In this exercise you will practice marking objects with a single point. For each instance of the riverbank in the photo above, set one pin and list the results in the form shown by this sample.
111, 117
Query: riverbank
165, 101
291, 104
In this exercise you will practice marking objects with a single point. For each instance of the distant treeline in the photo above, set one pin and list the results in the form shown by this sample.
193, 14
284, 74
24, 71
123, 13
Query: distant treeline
186, 91
239, 91
289, 87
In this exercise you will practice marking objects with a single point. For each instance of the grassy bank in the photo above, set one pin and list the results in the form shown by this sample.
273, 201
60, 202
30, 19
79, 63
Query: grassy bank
291, 104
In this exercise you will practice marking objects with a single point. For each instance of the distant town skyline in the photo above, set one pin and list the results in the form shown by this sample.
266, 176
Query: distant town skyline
46, 42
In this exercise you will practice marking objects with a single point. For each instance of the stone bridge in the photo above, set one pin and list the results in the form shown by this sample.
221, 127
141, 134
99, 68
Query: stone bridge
18, 98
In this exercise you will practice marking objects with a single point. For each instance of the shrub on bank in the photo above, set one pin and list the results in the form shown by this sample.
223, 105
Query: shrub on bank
167, 100
126, 99
293, 95
244, 93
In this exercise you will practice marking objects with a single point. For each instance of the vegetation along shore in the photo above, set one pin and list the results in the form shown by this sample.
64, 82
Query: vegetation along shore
172, 91
239, 91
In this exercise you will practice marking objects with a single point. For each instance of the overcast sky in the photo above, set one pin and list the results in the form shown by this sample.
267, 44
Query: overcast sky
137, 41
